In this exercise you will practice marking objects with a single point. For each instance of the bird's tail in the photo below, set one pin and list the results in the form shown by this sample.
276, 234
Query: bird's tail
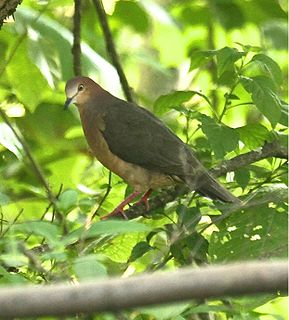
209, 187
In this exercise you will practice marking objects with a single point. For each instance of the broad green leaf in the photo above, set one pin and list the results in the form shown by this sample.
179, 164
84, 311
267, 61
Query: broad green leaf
41, 228
139, 250
253, 135
242, 177
264, 96
222, 139
67, 201
131, 14
166, 102
253, 234
116, 227
200, 58
120, 247
87, 267
26, 80
262, 65
226, 58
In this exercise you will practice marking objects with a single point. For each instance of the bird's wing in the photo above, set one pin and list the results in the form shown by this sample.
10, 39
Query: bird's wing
137, 136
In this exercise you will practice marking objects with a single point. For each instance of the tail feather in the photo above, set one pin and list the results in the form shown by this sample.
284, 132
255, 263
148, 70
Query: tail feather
209, 187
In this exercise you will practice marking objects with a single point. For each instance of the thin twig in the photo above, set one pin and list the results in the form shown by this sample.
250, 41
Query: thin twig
13, 222
111, 48
104, 197
76, 48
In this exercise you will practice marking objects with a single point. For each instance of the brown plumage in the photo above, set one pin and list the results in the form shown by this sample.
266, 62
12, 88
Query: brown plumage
137, 146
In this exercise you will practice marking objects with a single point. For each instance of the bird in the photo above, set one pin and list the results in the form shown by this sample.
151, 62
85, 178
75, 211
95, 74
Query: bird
133, 143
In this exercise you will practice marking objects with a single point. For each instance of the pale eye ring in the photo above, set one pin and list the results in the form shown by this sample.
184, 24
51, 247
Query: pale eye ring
81, 87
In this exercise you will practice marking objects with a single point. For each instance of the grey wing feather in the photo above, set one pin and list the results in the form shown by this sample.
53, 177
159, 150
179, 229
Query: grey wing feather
137, 136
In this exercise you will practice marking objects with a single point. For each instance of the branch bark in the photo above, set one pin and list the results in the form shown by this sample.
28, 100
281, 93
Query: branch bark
111, 48
150, 289
76, 48
7, 8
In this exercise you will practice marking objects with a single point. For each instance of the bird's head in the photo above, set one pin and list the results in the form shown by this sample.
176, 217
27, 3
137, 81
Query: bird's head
80, 90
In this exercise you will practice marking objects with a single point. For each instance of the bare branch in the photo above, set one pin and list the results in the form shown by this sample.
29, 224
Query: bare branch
149, 289
76, 48
111, 48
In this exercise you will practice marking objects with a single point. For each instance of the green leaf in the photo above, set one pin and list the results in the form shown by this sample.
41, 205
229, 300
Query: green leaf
139, 250
200, 58
253, 234
116, 227
222, 139
171, 311
242, 177
264, 97
25, 78
253, 135
248, 48
226, 58
67, 201
87, 267
131, 14
166, 102
268, 67
42, 228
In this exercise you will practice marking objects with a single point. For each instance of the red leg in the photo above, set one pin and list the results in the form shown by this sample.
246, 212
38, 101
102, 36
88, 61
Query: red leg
119, 209
144, 199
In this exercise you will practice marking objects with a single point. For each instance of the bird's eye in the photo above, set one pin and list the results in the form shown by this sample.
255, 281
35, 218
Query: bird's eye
80, 87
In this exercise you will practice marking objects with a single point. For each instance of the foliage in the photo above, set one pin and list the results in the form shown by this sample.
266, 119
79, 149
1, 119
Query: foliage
215, 72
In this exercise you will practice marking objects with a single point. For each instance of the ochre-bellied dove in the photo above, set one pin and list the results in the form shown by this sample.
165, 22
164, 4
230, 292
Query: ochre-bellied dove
131, 142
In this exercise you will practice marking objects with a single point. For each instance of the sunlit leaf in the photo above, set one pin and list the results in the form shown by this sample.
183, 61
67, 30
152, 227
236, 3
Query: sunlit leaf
253, 135
9, 140
264, 97
116, 227
26, 80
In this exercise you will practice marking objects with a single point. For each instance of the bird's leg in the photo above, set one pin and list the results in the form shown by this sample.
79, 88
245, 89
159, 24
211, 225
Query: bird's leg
144, 199
119, 209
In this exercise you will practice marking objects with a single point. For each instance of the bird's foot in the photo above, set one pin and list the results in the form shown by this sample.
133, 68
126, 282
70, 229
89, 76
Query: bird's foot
118, 211
144, 200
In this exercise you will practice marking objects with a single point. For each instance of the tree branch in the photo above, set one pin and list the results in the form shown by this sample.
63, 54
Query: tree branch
273, 149
76, 48
111, 48
149, 289
7, 8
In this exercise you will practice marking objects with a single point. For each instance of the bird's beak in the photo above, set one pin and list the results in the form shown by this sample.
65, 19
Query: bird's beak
68, 102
